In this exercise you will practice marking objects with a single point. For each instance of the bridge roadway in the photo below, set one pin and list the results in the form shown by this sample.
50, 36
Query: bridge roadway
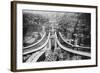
40, 47
69, 47
36, 42
72, 44
37, 46
36, 55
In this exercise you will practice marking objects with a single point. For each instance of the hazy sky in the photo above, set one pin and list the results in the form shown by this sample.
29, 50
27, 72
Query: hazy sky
51, 14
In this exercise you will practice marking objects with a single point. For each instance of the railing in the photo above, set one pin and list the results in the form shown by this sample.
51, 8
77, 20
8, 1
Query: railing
37, 46
69, 48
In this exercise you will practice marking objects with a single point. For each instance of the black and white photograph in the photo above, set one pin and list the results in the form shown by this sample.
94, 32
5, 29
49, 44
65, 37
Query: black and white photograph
53, 36
56, 36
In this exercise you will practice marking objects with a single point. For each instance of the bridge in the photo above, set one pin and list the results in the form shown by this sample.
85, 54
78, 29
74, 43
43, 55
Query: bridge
43, 46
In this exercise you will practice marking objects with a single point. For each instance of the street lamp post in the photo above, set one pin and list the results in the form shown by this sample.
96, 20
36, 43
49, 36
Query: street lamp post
76, 44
